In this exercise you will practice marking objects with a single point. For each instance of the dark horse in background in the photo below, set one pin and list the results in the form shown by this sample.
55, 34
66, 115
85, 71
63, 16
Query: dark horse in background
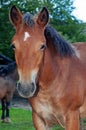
52, 72
8, 78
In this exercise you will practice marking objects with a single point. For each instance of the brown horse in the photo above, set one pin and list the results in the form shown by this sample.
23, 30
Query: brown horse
8, 79
52, 72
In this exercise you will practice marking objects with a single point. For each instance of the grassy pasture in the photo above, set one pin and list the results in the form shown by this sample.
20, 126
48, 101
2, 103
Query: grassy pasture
21, 120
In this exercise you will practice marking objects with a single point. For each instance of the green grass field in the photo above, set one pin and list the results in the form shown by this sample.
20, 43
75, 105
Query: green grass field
21, 120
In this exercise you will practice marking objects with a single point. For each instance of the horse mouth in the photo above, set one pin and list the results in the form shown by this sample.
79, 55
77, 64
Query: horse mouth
26, 90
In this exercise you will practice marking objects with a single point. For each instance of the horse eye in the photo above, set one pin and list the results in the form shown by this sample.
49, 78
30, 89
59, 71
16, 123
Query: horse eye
43, 47
12, 46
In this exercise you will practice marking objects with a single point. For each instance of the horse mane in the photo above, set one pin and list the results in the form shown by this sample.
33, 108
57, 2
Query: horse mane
63, 48
28, 19
8, 69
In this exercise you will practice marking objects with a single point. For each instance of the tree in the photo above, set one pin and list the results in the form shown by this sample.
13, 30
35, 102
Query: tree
60, 17
63, 20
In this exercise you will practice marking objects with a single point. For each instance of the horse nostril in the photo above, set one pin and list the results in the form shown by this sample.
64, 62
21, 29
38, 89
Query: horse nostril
32, 87
18, 85
25, 89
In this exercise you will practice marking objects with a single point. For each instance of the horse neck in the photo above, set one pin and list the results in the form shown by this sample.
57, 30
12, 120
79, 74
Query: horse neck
49, 68
53, 68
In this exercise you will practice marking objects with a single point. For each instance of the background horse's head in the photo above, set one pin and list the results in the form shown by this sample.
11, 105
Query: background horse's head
29, 44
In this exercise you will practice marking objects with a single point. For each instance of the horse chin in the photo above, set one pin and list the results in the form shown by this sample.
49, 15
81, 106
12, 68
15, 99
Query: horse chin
27, 91
25, 96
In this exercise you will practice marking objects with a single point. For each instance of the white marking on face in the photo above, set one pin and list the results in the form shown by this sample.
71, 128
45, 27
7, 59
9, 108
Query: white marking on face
26, 35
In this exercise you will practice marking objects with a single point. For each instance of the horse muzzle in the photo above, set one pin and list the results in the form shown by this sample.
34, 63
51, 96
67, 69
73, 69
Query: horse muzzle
26, 90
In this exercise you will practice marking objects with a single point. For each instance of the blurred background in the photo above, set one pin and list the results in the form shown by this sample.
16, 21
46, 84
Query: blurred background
63, 17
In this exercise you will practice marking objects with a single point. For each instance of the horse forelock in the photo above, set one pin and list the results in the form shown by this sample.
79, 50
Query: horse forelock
28, 19
63, 48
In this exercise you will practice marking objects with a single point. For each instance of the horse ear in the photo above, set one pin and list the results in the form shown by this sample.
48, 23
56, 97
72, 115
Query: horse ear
43, 17
15, 16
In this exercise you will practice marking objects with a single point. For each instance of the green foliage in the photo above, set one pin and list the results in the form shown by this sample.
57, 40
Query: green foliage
60, 17
6, 30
